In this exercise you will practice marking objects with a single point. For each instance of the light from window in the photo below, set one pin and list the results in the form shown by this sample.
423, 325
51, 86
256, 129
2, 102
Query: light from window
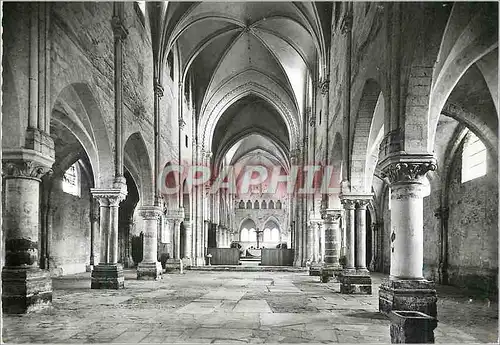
275, 235
71, 180
252, 236
244, 235
267, 235
473, 158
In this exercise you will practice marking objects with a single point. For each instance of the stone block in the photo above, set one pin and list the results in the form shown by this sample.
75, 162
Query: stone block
149, 270
327, 273
408, 295
107, 276
174, 265
315, 270
355, 282
25, 290
411, 327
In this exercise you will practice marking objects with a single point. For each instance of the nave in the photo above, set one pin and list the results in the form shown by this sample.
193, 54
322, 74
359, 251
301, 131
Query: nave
233, 307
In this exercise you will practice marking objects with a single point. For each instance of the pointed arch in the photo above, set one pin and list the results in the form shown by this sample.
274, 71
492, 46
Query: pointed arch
137, 160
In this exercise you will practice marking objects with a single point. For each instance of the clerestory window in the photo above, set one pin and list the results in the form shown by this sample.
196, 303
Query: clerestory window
473, 158
71, 180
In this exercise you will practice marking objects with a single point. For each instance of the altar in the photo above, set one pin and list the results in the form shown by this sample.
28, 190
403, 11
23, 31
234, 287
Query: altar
253, 252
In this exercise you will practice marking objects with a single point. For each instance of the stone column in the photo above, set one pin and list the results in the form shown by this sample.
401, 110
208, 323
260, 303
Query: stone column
310, 243
361, 235
95, 235
349, 206
188, 254
406, 174
25, 287
331, 220
149, 268
315, 256
177, 239
322, 242
206, 225
356, 281
108, 274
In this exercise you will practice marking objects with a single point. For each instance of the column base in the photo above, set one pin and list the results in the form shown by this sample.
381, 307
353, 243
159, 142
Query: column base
355, 282
174, 265
408, 295
107, 276
25, 290
186, 262
199, 261
315, 269
329, 271
149, 271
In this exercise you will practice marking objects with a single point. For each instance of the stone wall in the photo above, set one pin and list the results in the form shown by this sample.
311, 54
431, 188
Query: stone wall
70, 241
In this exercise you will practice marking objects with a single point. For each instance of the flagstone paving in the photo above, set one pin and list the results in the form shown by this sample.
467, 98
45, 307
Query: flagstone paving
233, 307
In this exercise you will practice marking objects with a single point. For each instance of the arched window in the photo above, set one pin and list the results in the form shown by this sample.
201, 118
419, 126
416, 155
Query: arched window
263, 205
71, 180
252, 236
244, 235
267, 235
271, 204
275, 235
249, 204
256, 205
473, 158
278, 205
242, 204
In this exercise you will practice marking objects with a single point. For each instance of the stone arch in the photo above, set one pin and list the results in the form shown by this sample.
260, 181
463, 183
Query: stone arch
462, 46
361, 138
238, 87
76, 108
138, 162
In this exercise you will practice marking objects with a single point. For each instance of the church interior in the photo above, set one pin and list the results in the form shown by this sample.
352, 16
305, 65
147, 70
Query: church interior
249, 172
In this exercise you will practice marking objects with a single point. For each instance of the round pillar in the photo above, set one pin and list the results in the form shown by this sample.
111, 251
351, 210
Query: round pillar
349, 206
149, 267
361, 235
407, 236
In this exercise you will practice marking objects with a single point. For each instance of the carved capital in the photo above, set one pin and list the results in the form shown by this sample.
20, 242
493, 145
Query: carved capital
175, 213
442, 213
182, 123
349, 204
312, 121
120, 32
109, 197
407, 171
331, 216
158, 88
150, 212
24, 169
324, 86
346, 25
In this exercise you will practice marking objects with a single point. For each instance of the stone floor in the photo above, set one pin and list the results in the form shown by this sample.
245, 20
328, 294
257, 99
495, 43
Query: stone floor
223, 307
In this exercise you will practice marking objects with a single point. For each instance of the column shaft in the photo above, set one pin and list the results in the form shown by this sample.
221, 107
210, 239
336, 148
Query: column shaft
25, 287
361, 234
177, 240
113, 234
149, 267
349, 206
331, 224
187, 244
407, 246
310, 242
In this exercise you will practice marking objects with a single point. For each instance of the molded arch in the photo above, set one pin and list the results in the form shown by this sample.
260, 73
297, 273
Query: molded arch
237, 88
87, 124
137, 155
360, 141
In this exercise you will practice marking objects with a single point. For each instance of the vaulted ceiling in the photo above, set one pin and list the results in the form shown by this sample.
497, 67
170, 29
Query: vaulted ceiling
281, 43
